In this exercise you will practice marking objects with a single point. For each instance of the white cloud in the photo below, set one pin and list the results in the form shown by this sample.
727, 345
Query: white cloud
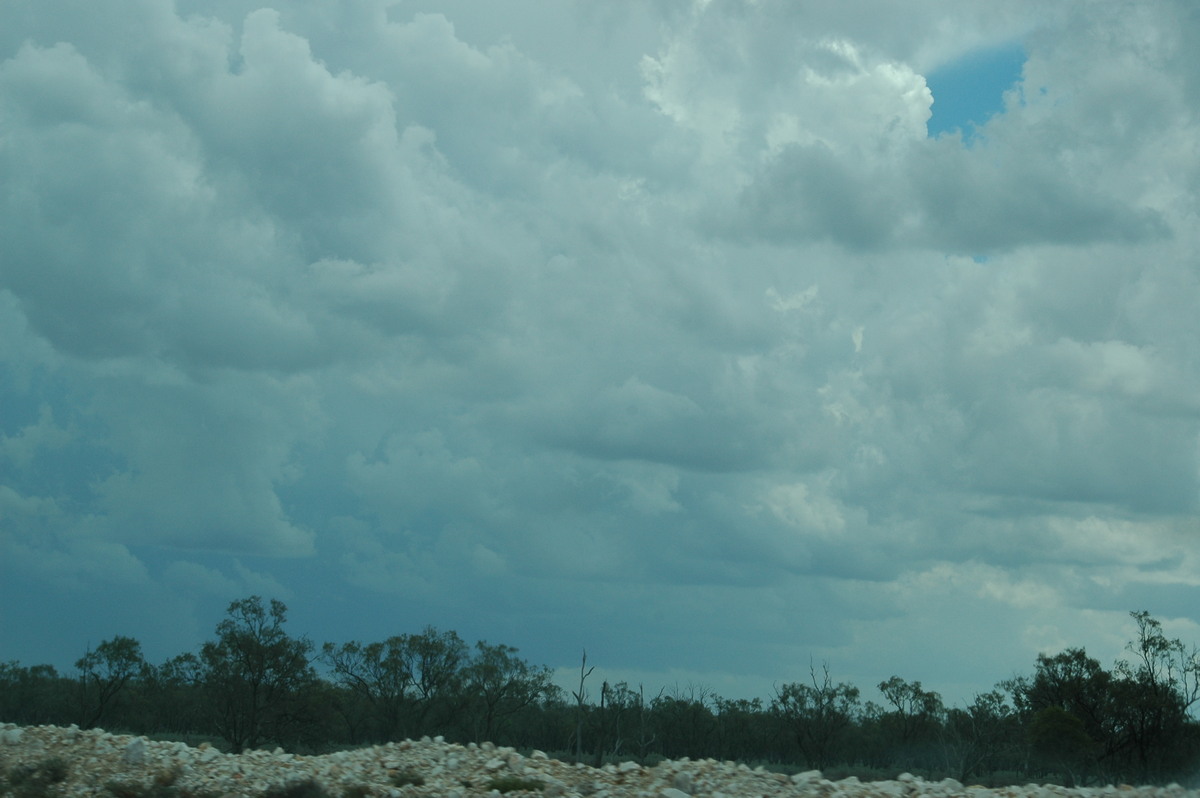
630, 311
811, 514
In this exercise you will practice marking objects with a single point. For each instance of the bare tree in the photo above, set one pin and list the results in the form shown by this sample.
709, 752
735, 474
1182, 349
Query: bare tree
580, 701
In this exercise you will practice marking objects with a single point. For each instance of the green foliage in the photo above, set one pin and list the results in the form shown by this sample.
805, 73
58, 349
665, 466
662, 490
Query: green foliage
506, 784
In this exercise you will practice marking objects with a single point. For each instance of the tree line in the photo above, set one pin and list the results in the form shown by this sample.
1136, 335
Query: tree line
253, 685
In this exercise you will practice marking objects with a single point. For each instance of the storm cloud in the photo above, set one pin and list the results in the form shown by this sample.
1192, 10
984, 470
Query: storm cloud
665, 330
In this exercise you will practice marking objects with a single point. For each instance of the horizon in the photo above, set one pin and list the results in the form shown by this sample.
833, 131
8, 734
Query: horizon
679, 681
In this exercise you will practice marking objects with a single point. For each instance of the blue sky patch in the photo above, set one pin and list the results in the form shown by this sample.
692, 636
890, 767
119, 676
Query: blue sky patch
970, 89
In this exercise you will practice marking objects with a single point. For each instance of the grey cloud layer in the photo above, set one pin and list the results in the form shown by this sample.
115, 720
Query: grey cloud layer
454, 314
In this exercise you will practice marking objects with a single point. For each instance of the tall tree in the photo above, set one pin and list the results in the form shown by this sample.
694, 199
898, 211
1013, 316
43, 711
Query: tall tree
500, 684
172, 694
818, 714
1077, 684
380, 676
103, 673
1062, 744
35, 695
1154, 694
916, 712
254, 674
686, 725
581, 696
978, 738
437, 662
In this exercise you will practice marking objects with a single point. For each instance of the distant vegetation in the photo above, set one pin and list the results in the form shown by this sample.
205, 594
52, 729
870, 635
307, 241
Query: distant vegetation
1070, 721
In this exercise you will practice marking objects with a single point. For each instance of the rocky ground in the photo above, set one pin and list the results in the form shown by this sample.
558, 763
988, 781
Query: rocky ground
53, 761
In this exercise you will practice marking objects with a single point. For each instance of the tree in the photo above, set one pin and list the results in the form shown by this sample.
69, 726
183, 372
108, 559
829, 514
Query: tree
103, 674
686, 725
437, 661
818, 714
622, 713
171, 692
1077, 684
1153, 696
1137, 717
916, 712
739, 728
379, 675
580, 696
501, 684
254, 674
1060, 741
1162, 663
975, 739
407, 685
35, 695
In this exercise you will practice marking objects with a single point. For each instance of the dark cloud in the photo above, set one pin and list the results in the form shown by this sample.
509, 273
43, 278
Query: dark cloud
555, 325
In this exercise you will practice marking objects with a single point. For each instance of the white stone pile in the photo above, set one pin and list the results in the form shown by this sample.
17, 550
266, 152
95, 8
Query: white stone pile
97, 761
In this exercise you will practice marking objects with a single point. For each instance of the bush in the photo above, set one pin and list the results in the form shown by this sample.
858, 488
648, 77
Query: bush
402, 778
505, 784
162, 786
35, 780
308, 788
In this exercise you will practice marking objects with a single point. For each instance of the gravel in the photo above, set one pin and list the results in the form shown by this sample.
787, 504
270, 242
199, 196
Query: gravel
120, 766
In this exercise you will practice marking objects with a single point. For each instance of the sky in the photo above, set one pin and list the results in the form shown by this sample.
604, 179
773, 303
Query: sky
717, 338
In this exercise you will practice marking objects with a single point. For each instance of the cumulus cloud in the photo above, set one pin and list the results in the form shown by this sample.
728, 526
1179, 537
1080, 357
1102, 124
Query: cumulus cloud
583, 314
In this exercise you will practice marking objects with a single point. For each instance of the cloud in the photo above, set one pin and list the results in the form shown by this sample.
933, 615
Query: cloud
547, 319
25, 445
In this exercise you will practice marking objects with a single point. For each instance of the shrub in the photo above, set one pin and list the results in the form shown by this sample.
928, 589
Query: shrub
505, 784
34, 780
308, 788
402, 778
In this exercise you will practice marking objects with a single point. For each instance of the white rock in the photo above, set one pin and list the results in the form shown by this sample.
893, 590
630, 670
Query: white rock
134, 753
671, 792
